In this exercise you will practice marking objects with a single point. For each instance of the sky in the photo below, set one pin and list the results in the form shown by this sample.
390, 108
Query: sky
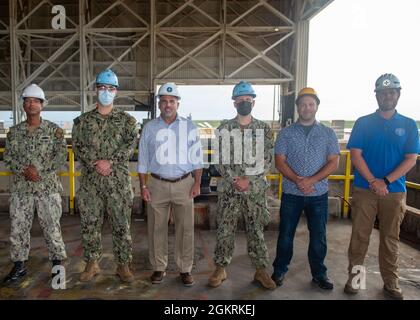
351, 44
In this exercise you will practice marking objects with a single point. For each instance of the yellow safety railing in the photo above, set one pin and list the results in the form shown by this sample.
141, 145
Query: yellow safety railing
4, 173
347, 177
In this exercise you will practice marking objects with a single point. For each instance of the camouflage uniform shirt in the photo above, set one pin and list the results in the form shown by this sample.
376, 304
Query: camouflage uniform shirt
236, 168
112, 137
45, 148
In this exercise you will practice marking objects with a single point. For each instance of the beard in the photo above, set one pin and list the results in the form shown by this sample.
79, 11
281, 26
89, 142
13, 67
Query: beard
387, 107
307, 117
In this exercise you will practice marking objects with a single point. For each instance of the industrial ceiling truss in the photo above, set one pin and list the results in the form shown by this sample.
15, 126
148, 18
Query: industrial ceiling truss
147, 43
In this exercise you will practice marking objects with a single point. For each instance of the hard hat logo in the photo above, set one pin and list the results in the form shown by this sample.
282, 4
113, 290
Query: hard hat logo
107, 77
387, 81
169, 89
243, 88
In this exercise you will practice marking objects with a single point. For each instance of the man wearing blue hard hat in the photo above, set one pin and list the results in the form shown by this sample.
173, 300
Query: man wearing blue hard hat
103, 142
242, 188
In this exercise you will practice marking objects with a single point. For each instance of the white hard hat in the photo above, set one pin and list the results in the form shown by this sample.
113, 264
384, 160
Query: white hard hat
169, 89
33, 91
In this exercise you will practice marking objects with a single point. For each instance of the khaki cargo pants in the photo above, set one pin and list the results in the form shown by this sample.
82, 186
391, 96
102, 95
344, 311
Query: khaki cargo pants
390, 210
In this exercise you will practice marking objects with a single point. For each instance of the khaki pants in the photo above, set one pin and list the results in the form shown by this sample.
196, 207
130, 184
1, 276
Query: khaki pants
390, 210
167, 196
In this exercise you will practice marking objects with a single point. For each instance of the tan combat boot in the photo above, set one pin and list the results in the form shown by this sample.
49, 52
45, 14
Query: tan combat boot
123, 271
264, 279
217, 277
91, 270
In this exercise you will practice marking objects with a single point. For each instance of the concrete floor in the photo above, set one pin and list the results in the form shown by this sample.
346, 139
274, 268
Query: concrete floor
239, 285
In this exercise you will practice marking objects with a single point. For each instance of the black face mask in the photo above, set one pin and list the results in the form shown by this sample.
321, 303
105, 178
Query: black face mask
244, 108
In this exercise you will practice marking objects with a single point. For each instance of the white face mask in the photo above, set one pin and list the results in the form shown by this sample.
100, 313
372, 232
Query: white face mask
105, 97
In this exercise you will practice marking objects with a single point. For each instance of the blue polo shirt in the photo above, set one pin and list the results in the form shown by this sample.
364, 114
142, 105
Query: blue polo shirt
384, 144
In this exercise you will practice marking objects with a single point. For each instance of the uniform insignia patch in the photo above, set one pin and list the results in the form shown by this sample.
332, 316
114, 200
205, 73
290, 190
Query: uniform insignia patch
45, 139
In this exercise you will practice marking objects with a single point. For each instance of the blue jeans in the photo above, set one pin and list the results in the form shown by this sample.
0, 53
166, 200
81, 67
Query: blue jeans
316, 211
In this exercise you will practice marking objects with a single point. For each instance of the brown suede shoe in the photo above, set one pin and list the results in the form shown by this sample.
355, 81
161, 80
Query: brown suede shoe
348, 289
157, 277
393, 292
187, 279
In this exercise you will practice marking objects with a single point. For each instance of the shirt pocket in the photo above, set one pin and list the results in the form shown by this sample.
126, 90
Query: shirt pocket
90, 134
45, 146
116, 132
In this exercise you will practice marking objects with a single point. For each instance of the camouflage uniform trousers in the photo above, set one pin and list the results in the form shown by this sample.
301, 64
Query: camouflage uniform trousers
256, 216
93, 204
48, 208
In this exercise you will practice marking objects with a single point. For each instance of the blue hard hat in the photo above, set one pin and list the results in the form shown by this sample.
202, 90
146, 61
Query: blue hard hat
107, 77
243, 88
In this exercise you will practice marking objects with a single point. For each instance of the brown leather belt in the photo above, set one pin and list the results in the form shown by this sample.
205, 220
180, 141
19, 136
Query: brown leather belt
156, 176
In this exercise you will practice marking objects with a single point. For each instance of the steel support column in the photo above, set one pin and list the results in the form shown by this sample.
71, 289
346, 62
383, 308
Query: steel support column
14, 73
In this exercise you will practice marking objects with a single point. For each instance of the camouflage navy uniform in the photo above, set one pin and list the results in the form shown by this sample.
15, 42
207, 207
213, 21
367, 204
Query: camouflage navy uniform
45, 148
250, 204
113, 138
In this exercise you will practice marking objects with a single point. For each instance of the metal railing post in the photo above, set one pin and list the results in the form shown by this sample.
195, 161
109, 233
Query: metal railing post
71, 180
346, 193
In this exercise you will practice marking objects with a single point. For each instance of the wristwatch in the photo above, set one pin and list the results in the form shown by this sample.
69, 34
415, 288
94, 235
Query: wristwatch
386, 181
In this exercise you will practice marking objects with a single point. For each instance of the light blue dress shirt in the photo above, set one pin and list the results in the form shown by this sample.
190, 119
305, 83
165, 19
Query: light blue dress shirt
170, 150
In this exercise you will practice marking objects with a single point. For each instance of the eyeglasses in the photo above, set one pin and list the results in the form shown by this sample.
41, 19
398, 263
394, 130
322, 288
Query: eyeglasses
103, 87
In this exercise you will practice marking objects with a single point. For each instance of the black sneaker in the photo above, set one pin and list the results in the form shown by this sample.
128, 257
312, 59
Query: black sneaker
278, 279
18, 271
56, 262
323, 283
